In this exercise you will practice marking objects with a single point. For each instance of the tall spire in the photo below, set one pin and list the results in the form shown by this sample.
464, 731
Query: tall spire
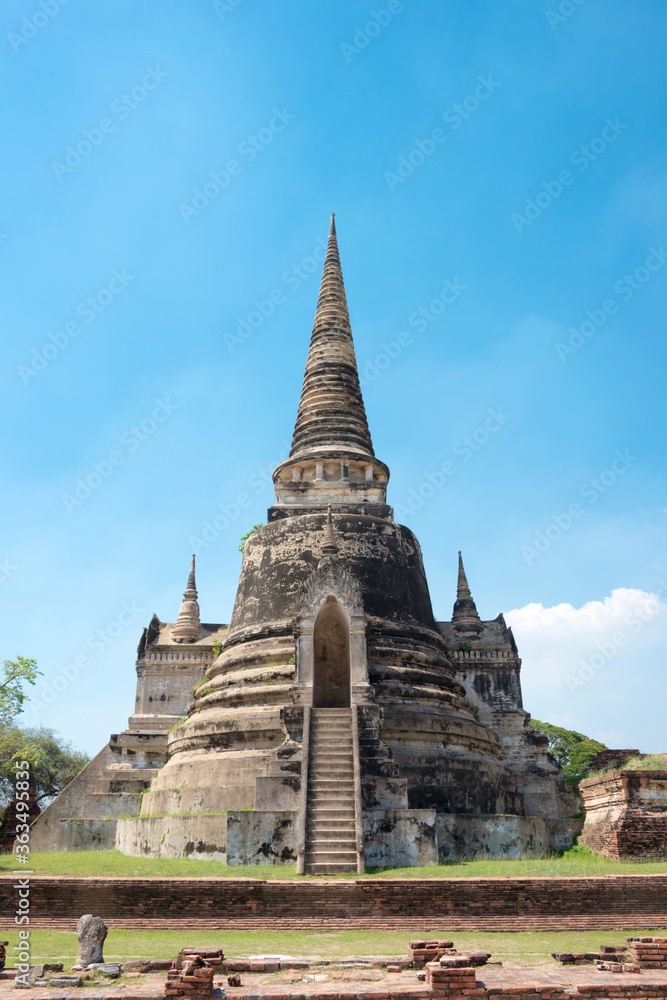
465, 617
188, 626
331, 412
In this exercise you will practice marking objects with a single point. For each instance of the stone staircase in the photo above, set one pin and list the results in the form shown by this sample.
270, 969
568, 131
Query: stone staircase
331, 840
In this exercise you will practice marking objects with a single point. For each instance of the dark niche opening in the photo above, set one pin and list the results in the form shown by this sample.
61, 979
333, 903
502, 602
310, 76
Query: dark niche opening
331, 646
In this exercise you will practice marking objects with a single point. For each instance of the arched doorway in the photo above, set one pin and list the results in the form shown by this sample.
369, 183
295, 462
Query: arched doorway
331, 648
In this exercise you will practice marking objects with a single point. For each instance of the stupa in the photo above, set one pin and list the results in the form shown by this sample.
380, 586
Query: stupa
335, 723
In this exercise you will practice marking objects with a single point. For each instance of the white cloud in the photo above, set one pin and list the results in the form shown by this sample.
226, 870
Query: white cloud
591, 668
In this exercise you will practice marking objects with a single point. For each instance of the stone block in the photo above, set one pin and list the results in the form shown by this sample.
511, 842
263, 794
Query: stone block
262, 837
277, 794
110, 969
384, 793
399, 838
461, 836
203, 838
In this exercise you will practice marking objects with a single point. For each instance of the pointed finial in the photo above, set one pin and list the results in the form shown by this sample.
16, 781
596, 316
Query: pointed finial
465, 617
188, 625
331, 412
462, 588
329, 546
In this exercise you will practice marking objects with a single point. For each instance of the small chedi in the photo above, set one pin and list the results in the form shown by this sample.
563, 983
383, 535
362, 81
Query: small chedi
335, 723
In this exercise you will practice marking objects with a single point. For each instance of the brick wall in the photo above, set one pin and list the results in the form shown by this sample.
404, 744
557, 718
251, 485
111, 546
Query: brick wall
626, 814
618, 901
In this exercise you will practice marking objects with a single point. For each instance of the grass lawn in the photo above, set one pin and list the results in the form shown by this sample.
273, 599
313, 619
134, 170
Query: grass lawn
578, 861
525, 948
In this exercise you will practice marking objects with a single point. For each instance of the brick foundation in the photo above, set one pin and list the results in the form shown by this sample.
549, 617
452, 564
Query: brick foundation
449, 904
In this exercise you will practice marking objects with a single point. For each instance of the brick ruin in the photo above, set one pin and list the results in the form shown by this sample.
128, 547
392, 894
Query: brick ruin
626, 814
335, 723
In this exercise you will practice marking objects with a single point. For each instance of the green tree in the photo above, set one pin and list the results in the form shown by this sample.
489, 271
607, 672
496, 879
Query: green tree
53, 761
244, 538
15, 673
573, 751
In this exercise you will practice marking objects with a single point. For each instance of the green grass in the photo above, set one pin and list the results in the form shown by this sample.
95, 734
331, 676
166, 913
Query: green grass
579, 861
528, 948
654, 762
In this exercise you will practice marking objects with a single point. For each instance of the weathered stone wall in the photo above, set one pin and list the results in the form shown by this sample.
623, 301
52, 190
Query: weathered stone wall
262, 838
618, 901
60, 826
493, 836
399, 838
202, 838
626, 814
86, 835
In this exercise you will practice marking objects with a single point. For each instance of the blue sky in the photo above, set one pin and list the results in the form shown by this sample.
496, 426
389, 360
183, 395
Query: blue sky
498, 173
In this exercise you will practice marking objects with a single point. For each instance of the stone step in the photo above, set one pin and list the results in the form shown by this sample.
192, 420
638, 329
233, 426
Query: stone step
342, 786
332, 801
336, 766
331, 746
341, 725
331, 726
321, 798
318, 712
328, 844
326, 777
344, 811
343, 777
330, 857
329, 869
331, 827
330, 820
331, 737
337, 761
325, 786
333, 810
